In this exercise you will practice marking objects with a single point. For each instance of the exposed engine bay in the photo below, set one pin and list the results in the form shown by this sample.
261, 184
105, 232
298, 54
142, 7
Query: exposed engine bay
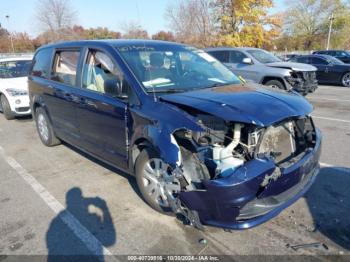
225, 146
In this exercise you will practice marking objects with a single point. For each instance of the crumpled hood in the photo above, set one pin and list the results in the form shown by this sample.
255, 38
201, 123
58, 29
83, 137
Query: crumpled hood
293, 66
244, 103
20, 83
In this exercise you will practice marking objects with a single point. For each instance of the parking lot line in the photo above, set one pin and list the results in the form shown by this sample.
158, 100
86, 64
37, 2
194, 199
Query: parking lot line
331, 119
329, 99
91, 242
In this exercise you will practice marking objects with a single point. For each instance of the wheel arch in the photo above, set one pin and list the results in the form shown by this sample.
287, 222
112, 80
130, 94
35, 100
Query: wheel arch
39, 103
136, 149
163, 143
269, 78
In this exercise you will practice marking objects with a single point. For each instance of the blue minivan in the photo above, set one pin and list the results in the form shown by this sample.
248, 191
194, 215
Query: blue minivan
201, 143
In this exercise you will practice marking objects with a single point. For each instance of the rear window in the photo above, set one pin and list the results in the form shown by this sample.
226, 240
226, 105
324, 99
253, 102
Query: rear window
65, 67
41, 63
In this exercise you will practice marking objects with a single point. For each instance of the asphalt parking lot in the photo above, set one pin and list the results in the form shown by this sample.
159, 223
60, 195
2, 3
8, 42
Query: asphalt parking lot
52, 199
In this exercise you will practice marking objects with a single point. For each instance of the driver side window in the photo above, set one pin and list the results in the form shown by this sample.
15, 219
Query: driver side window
237, 57
319, 61
102, 75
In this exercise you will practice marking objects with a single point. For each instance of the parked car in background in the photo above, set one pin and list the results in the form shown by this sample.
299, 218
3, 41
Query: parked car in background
330, 70
200, 142
287, 57
14, 86
339, 54
264, 68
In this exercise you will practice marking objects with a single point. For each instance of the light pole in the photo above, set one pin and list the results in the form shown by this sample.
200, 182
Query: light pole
331, 18
8, 23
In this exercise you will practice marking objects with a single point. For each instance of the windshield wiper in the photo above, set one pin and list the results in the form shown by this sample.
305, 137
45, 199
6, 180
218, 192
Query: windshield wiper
172, 90
216, 85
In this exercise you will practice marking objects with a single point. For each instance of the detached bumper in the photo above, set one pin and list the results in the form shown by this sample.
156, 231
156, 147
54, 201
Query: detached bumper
240, 201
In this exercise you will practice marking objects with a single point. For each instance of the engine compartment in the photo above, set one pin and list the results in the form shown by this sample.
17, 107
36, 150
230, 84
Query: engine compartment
225, 146
227, 152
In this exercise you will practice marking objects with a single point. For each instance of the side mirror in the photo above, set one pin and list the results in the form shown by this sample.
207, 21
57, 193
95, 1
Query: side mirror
247, 61
114, 88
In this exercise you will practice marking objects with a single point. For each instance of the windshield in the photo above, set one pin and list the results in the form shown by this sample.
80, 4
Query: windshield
172, 68
333, 60
263, 56
12, 69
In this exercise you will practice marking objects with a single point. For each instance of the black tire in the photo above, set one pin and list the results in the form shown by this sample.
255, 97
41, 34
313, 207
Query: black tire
141, 161
6, 109
275, 84
48, 138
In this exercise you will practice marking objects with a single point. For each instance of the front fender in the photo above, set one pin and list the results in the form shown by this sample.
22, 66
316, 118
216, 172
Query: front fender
156, 123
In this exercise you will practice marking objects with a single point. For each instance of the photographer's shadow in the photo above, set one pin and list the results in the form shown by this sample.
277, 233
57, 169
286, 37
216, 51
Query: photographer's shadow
62, 239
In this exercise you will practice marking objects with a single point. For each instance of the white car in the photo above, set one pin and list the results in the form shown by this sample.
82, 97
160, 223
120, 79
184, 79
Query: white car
14, 87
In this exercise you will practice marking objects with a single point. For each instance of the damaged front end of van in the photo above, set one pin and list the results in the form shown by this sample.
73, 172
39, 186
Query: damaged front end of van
247, 154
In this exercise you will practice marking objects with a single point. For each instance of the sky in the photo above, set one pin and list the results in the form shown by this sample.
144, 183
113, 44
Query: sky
94, 13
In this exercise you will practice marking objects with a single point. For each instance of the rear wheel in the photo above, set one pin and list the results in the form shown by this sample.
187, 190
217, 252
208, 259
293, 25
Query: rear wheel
155, 180
275, 84
6, 109
45, 130
346, 80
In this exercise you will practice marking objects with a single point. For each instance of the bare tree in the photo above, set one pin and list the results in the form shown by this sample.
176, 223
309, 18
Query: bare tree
133, 30
191, 21
55, 16
309, 19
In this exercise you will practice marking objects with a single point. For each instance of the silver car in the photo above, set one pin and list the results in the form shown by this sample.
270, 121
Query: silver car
264, 68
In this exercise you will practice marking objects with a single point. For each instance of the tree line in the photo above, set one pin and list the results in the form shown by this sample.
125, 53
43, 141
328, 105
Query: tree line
303, 25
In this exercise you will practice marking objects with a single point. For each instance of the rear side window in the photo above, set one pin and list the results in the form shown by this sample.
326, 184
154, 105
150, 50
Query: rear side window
42, 63
65, 67
222, 56
341, 54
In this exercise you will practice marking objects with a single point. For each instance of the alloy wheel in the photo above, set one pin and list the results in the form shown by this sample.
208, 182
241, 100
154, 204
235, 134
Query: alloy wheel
346, 80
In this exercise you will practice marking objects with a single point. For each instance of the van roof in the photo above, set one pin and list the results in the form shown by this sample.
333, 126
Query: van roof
111, 42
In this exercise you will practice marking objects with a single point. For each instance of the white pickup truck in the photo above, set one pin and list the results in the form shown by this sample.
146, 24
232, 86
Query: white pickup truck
14, 87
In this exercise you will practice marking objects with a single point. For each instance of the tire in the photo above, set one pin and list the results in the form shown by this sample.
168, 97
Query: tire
6, 109
44, 128
144, 159
345, 80
275, 84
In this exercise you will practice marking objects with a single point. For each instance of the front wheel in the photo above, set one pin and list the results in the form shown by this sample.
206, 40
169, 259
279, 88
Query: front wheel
275, 84
6, 108
346, 80
155, 181
45, 130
